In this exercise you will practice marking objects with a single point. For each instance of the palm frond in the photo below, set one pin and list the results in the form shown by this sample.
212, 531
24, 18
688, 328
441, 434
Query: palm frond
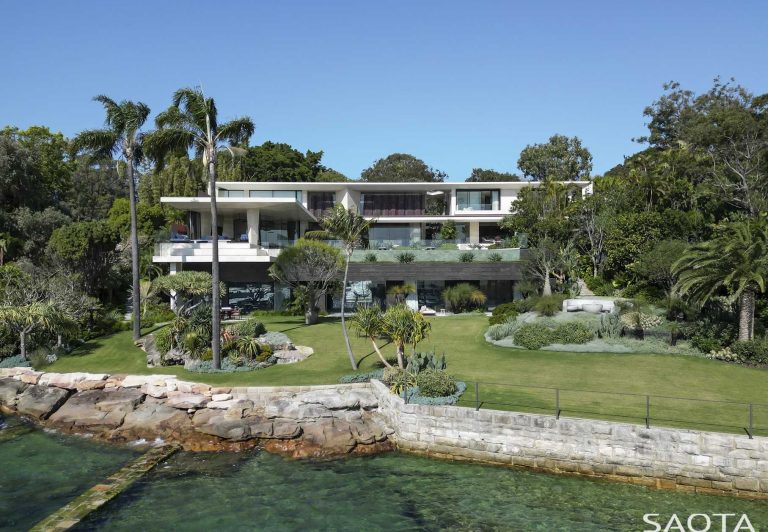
112, 108
99, 143
159, 143
237, 131
192, 102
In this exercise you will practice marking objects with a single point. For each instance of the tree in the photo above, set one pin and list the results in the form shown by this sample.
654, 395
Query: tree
312, 266
179, 176
349, 227
592, 220
560, 159
541, 212
192, 122
95, 186
329, 175
272, 161
87, 248
3, 247
734, 261
481, 175
369, 322
656, 266
401, 168
404, 326
122, 136
35, 228
27, 319
187, 289
550, 260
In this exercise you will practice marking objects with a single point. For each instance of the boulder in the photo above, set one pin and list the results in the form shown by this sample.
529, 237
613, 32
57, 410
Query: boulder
95, 410
157, 391
290, 356
41, 401
329, 437
152, 419
91, 385
154, 357
339, 399
9, 389
69, 381
31, 377
185, 401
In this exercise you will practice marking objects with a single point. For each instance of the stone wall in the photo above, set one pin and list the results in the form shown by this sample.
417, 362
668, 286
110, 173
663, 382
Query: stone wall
311, 421
687, 460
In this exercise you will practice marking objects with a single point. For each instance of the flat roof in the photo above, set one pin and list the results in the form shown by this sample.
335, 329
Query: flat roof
360, 185
278, 208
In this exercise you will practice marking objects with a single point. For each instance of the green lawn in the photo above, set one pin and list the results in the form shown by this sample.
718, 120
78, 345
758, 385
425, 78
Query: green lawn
579, 375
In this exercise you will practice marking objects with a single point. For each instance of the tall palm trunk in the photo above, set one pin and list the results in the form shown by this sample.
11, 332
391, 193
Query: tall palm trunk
215, 293
746, 314
136, 304
343, 313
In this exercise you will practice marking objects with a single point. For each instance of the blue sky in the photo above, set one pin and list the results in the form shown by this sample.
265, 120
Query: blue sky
458, 84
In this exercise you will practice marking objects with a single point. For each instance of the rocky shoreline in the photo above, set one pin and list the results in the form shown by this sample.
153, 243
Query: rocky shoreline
300, 422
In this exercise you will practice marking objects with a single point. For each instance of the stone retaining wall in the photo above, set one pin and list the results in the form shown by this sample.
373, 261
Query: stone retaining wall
307, 421
687, 460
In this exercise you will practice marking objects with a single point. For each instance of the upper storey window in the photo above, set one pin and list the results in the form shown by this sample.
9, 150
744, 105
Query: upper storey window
477, 200
393, 204
319, 202
226, 193
295, 194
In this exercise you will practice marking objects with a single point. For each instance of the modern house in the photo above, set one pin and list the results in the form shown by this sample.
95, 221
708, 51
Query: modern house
404, 246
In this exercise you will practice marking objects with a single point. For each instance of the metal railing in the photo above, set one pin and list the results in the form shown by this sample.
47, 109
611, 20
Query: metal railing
646, 409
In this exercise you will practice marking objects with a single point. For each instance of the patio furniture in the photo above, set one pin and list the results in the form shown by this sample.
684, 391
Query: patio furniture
226, 312
594, 308
235, 314
426, 311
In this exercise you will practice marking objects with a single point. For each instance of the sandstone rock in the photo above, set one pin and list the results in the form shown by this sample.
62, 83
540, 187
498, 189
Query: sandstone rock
290, 356
185, 401
285, 429
334, 399
97, 409
40, 401
155, 390
91, 385
9, 389
201, 388
134, 381
69, 381
32, 377
221, 396
239, 408
222, 405
154, 357
220, 389
153, 419
329, 436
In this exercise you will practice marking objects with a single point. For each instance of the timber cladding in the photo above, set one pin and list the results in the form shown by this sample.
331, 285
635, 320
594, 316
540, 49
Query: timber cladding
437, 271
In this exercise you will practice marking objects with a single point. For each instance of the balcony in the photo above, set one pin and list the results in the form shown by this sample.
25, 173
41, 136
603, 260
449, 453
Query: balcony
201, 251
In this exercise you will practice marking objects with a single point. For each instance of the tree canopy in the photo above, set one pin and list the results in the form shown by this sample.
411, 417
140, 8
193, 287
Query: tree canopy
481, 175
560, 159
401, 168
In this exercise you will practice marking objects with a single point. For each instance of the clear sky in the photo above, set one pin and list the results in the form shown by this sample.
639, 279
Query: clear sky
458, 84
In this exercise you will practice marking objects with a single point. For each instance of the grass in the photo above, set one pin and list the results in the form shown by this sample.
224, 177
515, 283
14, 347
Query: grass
526, 380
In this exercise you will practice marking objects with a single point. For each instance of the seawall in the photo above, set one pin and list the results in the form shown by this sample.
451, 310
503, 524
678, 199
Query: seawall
687, 460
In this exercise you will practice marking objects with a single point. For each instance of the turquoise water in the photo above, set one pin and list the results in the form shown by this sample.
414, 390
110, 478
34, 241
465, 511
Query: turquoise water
389, 492
40, 471
254, 490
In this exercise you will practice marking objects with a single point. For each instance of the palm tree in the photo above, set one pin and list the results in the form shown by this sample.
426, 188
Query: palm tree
734, 260
122, 136
349, 227
192, 122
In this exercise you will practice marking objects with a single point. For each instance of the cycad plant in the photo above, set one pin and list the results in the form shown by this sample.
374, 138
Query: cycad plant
121, 136
192, 123
349, 227
734, 261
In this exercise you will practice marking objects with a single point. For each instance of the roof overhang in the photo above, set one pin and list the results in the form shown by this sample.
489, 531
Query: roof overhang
278, 208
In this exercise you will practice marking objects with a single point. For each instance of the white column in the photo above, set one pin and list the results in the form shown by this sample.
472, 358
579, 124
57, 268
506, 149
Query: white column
252, 218
474, 232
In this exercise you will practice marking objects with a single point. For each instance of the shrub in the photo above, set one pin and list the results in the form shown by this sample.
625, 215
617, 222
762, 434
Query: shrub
598, 285
418, 362
705, 344
362, 377
248, 327
640, 321
276, 340
503, 330
463, 297
406, 257
502, 313
207, 355
533, 336
549, 305
572, 332
371, 257
610, 326
265, 352
494, 257
16, 361
435, 383
399, 380
467, 256
249, 347
525, 305
751, 351
164, 340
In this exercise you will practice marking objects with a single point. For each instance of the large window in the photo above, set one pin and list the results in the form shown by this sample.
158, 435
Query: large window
392, 234
319, 202
277, 234
251, 296
393, 204
295, 194
226, 193
477, 200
